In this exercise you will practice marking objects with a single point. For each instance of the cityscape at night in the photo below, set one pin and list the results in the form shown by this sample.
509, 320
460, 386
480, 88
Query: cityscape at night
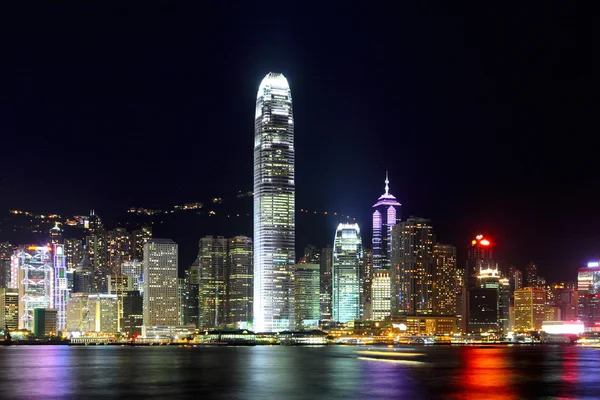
415, 215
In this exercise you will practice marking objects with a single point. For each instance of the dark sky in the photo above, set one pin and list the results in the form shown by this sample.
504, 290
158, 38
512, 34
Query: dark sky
481, 113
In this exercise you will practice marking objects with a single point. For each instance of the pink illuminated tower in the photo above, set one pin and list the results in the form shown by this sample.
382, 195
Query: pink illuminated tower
385, 216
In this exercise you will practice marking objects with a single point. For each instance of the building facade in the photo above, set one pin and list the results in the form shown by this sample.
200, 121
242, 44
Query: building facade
160, 283
381, 293
347, 285
445, 285
386, 214
326, 283
306, 294
213, 272
240, 285
274, 206
412, 268
530, 309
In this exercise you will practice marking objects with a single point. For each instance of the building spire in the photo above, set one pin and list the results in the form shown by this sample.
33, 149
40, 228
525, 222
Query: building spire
387, 181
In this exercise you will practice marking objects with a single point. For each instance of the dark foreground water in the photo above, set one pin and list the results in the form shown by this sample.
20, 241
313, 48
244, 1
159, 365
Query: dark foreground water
335, 372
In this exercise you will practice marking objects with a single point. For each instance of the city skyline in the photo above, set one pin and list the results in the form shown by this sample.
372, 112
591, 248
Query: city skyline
452, 103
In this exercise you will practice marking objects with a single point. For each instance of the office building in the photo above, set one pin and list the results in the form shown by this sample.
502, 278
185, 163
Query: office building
134, 271
190, 296
530, 309
588, 279
326, 283
6, 251
504, 302
9, 309
484, 301
531, 275
74, 252
381, 306
118, 247
445, 279
60, 285
133, 314
412, 268
139, 238
366, 274
386, 214
568, 302
240, 286
160, 284
44, 322
347, 261
274, 205
306, 294
35, 281
480, 257
213, 271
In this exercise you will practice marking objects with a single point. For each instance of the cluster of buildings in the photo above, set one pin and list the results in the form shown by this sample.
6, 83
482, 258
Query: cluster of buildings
116, 282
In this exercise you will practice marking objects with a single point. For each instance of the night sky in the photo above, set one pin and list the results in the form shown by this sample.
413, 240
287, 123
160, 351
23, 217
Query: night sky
480, 113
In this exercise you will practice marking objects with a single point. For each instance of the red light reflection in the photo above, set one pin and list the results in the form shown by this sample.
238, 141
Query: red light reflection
485, 374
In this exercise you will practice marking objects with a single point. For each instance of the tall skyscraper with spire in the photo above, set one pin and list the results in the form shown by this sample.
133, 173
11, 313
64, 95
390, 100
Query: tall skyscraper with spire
274, 206
385, 216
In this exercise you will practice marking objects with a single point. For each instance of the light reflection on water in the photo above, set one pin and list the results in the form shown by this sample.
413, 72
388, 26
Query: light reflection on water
278, 372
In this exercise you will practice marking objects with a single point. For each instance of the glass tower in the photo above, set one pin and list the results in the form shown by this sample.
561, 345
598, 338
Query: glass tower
385, 216
274, 218
347, 260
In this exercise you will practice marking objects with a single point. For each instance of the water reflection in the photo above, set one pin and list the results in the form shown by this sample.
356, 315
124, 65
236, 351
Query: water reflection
485, 374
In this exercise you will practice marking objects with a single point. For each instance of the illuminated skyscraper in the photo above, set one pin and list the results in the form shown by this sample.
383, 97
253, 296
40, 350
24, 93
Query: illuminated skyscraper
160, 284
212, 306
60, 287
274, 206
484, 302
480, 256
381, 295
35, 281
239, 283
445, 282
530, 309
306, 299
347, 262
326, 268
385, 216
412, 268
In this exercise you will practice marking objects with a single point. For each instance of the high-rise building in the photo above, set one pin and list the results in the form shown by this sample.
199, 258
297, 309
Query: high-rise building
35, 281
119, 285
484, 301
504, 300
445, 282
160, 284
118, 246
44, 322
588, 278
133, 270
386, 214
530, 309
531, 275
274, 206
74, 252
326, 283
412, 268
567, 301
306, 294
347, 285
515, 278
212, 303
60, 286
240, 285
480, 257
9, 309
181, 294
366, 275
6, 250
139, 238
55, 235
133, 314
83, 280
381, 286
189, 300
